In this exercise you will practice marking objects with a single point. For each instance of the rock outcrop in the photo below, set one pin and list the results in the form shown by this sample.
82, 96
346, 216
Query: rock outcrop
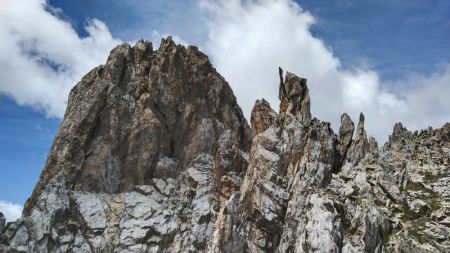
262, 117
151, 143
154, 155
2, 222
345, 136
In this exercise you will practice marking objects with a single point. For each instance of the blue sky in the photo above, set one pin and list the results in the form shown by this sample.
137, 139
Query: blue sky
381, 54
26, 136
395, 37
134, 19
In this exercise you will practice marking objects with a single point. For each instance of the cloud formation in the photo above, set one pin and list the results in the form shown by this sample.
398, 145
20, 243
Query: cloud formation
248, 40
42, 56
10, 210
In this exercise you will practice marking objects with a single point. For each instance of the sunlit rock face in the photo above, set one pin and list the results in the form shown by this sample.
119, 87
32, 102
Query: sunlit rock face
154, 155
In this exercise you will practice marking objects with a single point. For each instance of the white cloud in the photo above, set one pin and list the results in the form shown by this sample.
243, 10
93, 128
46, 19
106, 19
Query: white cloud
10, 210
157, 36
42, 56
248, 40
427, 98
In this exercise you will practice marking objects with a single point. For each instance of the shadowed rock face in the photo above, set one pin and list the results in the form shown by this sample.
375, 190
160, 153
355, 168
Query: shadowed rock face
345, 135
154, 155
152, 135
2, 222
138, 110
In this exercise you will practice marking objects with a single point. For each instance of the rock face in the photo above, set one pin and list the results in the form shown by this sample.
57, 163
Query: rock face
2, 222
154, 155
151, 144
345, 136
262, 117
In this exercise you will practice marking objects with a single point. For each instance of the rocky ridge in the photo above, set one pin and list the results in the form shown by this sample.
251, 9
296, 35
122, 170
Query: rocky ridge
154, 155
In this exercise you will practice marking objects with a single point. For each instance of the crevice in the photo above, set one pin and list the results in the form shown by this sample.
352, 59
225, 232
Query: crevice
93, 132
388, 194
82, 227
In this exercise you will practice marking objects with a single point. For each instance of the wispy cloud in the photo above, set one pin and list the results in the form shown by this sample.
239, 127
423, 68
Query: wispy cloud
10, 210
42, 56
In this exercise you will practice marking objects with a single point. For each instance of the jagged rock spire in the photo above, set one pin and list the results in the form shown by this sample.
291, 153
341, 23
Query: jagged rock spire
373, 145
154, 155
294, 97
399, 132
262, 117
360, 145
345, 135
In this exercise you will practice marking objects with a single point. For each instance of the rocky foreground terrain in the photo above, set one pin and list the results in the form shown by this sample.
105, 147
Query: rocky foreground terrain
155, 155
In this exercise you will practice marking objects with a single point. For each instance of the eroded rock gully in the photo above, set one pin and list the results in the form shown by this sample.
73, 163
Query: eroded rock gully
154, 155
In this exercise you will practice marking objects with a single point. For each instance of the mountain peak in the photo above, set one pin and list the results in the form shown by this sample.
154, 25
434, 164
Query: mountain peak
155, 155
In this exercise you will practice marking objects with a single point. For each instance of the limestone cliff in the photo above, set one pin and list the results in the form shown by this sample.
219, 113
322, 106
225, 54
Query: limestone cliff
154, 155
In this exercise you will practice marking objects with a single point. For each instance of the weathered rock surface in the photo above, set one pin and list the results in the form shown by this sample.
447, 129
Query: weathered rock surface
345, 136
262, 117
154, 155
2, 222
151, 144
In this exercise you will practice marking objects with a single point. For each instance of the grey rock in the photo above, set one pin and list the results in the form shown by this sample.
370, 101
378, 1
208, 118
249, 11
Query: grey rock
323, 230
141, 134
154, 155
2, 222
372, 235
373, 145
165, 168
418, 206
262, 116
360, 145
294, 96
345, 135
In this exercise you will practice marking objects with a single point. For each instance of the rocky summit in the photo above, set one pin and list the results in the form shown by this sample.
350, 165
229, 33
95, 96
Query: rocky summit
155, 155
